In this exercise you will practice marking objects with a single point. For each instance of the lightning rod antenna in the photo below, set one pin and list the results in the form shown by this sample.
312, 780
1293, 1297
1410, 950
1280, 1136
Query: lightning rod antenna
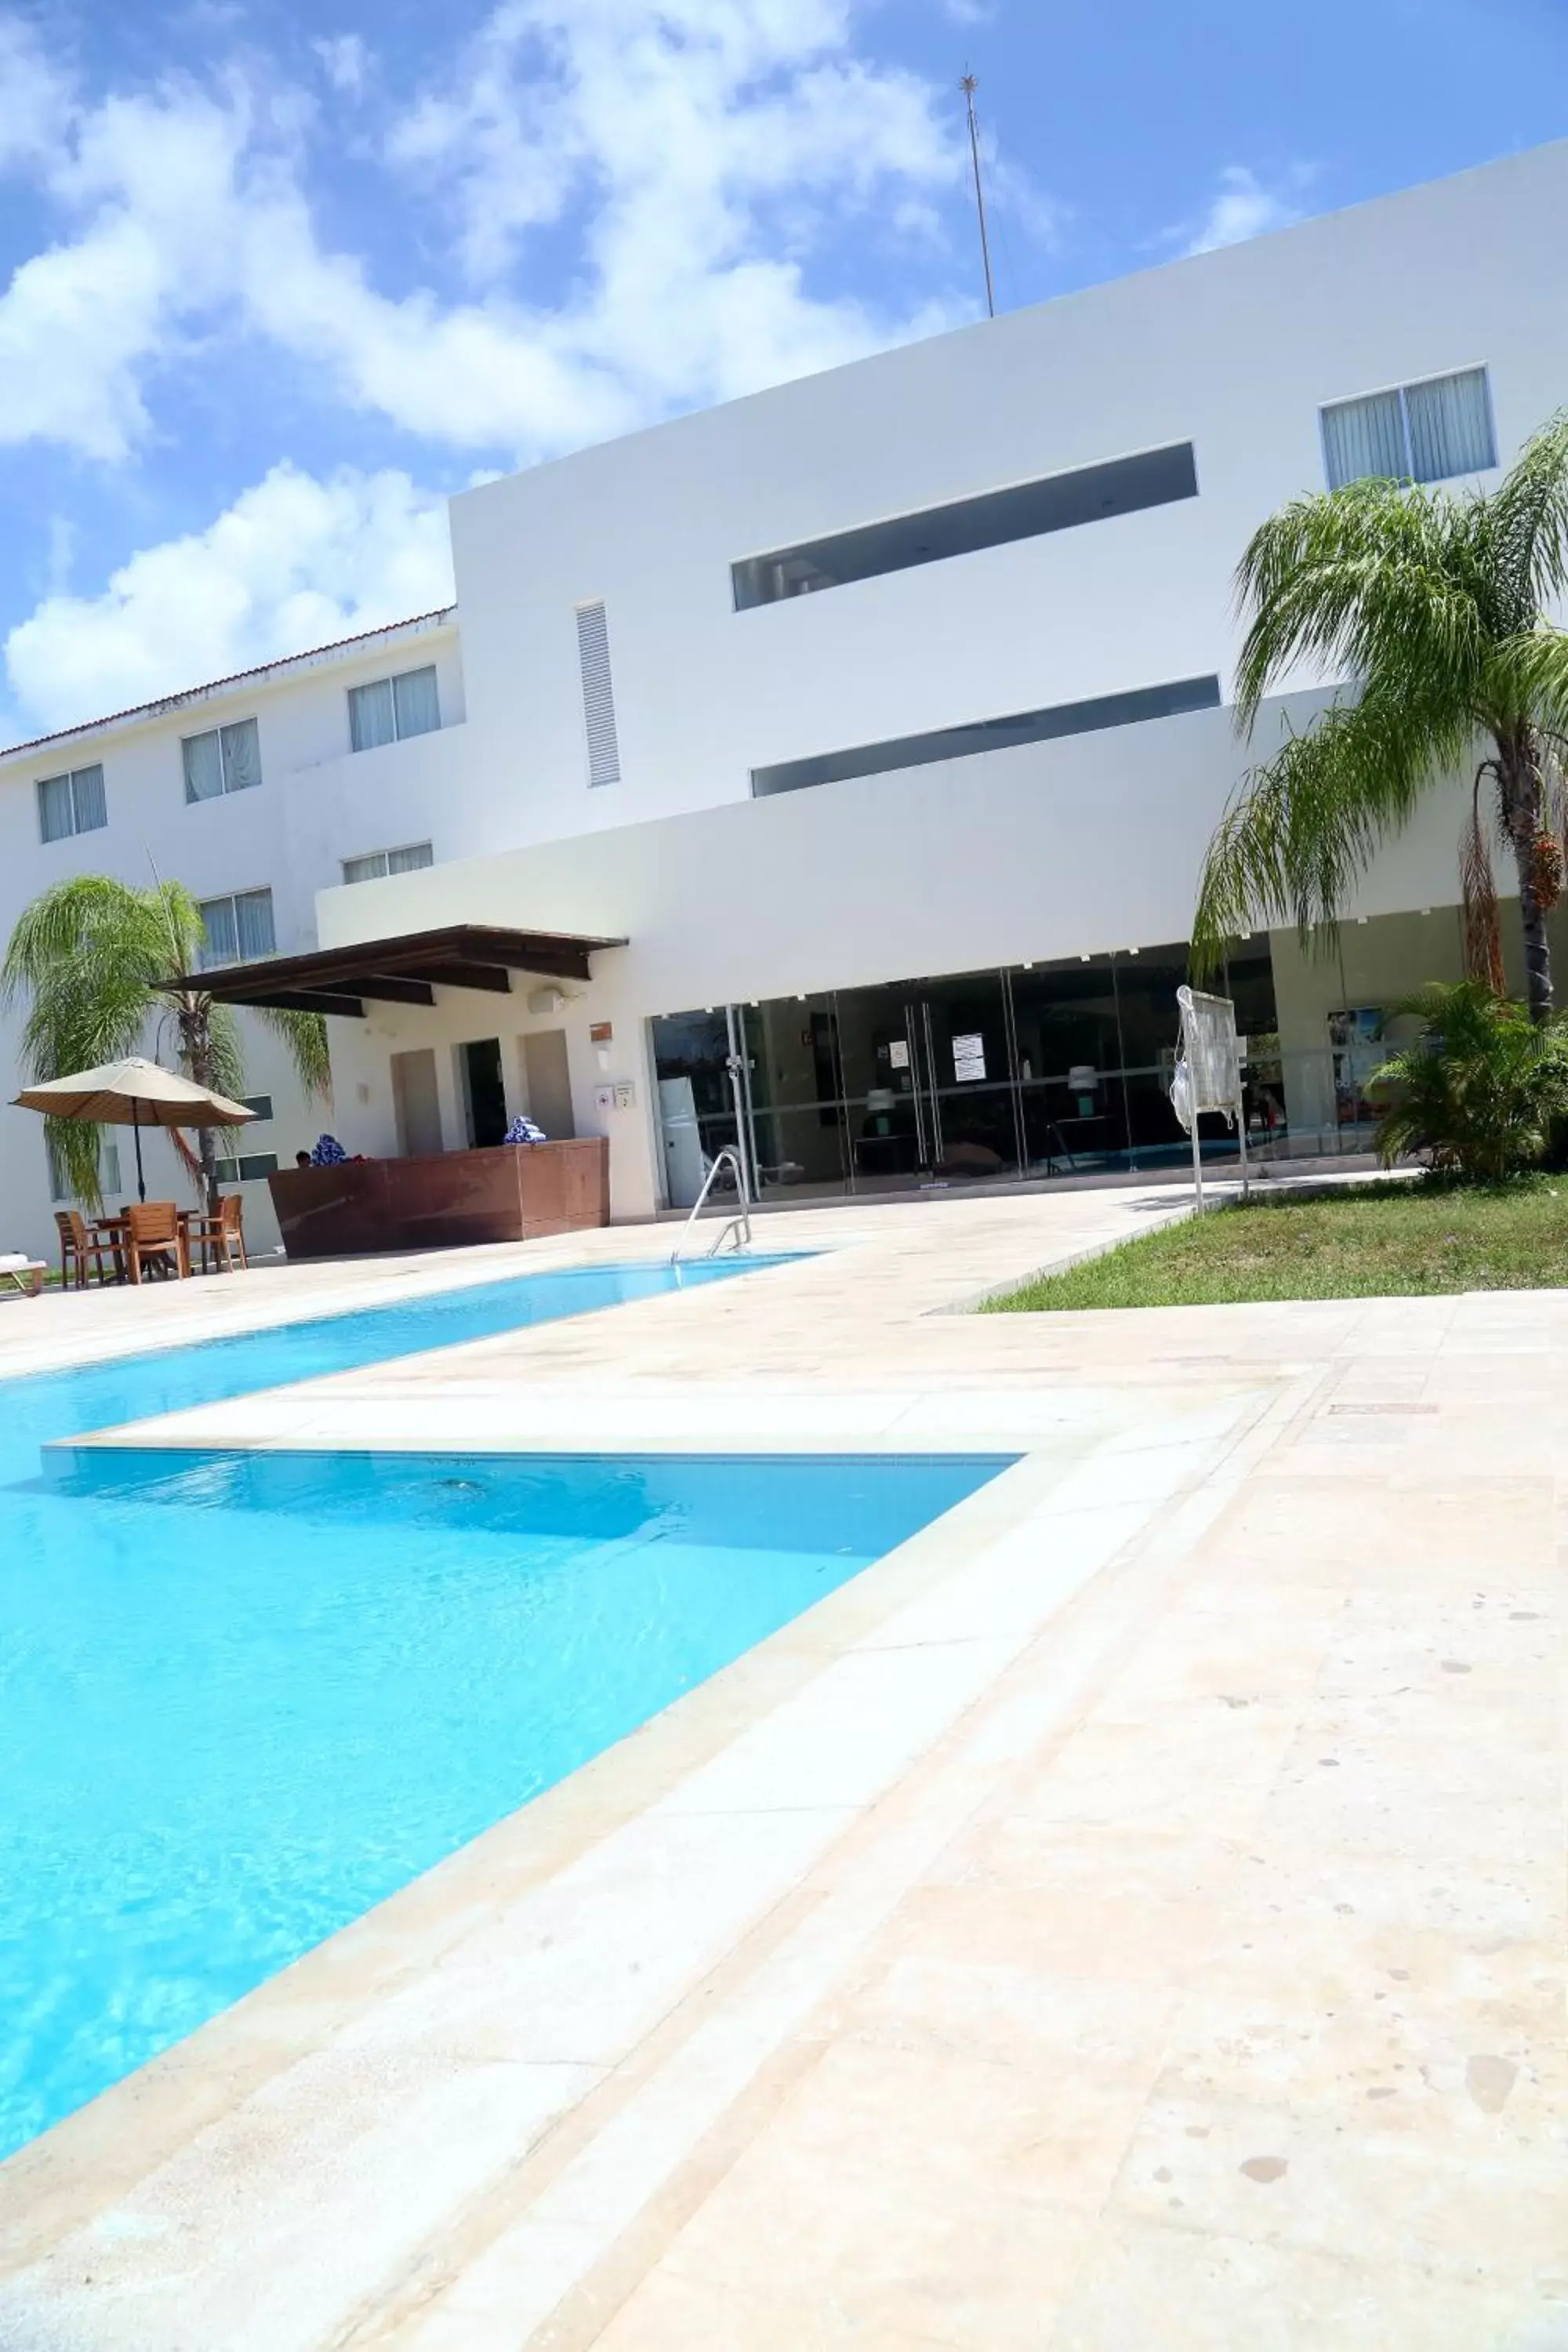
969, 86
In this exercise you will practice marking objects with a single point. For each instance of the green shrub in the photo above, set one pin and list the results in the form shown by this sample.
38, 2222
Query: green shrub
1480, 1089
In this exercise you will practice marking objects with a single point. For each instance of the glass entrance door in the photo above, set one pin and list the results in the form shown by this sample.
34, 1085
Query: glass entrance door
927, 1080
967, 1068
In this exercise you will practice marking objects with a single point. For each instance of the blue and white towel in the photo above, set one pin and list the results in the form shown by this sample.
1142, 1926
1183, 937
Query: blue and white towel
329, 1152
523, 1130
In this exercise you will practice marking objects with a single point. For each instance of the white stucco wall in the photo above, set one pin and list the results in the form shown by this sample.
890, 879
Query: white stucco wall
1235, 350
316, 804
1046, 851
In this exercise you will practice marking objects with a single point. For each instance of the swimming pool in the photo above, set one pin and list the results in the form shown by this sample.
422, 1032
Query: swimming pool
244, 1696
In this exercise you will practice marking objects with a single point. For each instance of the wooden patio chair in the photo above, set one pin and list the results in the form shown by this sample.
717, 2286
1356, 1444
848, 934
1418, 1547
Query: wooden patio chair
220, 1238
81, 1244
155, 1239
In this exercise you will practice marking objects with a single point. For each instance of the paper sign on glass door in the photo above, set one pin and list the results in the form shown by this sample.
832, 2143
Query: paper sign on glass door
968, 1058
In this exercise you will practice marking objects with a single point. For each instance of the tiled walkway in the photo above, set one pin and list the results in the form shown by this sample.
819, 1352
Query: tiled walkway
1132, 1915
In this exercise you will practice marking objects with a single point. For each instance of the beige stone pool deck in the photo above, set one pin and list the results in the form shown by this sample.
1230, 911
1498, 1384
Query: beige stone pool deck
1131, 1915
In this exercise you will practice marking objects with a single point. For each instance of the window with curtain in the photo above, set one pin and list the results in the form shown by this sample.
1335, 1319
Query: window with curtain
72, 803
377, 864
223, 760
391, 707
238, 929
1427, 432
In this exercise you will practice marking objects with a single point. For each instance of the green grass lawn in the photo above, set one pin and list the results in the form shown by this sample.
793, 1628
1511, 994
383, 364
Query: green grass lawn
1364, 1240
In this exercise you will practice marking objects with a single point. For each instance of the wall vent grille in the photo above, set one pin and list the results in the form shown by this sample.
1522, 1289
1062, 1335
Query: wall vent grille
598, 695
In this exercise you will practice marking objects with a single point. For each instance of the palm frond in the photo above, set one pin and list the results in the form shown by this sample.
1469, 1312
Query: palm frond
1527, 682
1299, 829
1479, 1090
1529, 521
1371, 581
305, 1036
76, 1149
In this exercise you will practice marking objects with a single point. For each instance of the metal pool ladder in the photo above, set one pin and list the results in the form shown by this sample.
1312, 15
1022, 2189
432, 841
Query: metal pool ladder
736, 1230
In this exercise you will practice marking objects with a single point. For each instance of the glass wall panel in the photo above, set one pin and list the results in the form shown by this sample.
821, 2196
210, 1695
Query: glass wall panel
795, 1089
1146, 985
697, 1115
1068, 1054
1045, 1070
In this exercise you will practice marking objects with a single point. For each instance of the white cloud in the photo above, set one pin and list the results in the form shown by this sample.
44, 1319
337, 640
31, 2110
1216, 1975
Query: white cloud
345, 62
295, 562
695, 156
694, 161
1241, 207
1011, 191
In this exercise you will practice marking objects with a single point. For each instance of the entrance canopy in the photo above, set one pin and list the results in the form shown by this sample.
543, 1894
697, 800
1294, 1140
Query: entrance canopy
406, 970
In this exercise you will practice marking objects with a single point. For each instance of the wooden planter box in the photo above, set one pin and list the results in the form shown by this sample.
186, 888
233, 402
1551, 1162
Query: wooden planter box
510, 1193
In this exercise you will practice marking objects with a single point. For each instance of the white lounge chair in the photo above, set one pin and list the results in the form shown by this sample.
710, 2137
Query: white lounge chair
23, 1274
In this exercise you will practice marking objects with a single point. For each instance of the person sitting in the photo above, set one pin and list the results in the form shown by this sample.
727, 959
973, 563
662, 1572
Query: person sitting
301, 1159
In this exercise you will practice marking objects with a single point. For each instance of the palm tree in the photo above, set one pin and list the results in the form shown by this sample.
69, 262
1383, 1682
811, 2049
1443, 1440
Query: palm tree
1434, 602
87, 956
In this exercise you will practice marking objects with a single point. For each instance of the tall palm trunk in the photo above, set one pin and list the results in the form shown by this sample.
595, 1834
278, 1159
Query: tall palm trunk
195, 1053
1524, 815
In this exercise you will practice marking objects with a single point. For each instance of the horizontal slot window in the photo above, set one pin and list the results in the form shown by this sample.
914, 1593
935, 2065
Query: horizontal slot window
1156, 477
249, 1168
990, 735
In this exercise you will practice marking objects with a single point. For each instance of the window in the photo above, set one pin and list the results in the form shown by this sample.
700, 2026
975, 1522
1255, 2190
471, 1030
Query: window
379, 863
238, 929
391, 707
73, 803
1025, 511
246, 1169
1417, 433
598, 695
108, 1169
990, 735
258, 1106
224, 759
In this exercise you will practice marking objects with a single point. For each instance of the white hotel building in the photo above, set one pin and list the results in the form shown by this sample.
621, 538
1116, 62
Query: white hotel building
882, 717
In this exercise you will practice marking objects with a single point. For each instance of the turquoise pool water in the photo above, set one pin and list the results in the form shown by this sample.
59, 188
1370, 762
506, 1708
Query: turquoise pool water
244, 1697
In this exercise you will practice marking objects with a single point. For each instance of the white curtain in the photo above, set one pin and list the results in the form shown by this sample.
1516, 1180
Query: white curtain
89, 804
413, 860
370, 720
1364, 440
253, 924
55, 807
218, 921
241, 756
365, 869
417, 708
203, 767
1450, 427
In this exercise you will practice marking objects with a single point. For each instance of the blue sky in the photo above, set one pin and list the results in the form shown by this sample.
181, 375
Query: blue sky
282, 273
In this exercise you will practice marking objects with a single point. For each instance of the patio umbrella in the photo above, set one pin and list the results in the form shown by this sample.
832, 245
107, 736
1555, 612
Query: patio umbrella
134, 1093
